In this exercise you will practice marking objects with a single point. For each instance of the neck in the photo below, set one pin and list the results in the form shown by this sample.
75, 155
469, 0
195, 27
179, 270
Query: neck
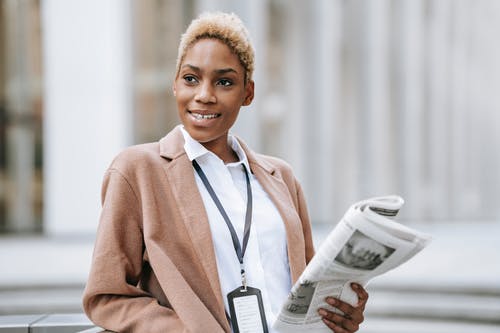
222, 150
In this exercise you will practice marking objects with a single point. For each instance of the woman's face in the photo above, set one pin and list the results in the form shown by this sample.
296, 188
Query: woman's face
210, 89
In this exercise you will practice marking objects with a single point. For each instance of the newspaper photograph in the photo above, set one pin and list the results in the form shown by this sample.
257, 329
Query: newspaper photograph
367, 242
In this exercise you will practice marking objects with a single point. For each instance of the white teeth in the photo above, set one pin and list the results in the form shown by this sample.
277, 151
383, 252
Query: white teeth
204, 116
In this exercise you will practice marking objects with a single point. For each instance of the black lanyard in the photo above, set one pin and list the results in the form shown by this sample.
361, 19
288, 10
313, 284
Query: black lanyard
240, 252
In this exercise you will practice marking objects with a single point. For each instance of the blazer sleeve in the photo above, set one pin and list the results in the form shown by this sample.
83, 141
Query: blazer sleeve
306, 223
112, 299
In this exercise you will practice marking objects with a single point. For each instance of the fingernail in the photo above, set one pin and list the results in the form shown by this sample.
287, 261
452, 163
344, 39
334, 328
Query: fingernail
354, 285
322, 312
331, 301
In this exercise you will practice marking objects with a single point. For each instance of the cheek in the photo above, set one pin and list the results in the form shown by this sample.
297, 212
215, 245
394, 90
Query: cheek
234, 101
182, 97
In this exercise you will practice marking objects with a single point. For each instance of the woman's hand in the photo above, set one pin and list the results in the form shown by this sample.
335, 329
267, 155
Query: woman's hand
353, 315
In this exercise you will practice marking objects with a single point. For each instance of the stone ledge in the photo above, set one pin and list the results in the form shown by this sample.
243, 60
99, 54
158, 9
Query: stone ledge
430, 305
45, 323
399, 325
41, 299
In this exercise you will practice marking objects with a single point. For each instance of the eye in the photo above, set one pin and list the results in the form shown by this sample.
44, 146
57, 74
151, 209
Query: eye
225, 82
190, 79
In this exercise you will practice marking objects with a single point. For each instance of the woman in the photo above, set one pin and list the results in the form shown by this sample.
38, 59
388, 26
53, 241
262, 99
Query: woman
192, 222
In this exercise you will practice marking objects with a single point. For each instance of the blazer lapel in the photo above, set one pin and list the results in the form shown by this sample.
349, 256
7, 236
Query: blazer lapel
180, 175
280, 196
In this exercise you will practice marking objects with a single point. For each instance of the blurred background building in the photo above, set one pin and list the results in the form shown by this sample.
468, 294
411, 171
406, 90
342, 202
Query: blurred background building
363, 98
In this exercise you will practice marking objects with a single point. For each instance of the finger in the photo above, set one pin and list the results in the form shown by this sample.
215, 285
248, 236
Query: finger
334, 327
351, 313
338, 323
362, 295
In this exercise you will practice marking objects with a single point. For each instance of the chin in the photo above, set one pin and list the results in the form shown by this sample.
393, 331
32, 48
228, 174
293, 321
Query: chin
199, 135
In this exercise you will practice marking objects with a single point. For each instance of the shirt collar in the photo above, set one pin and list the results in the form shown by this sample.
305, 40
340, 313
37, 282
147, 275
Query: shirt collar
194, 149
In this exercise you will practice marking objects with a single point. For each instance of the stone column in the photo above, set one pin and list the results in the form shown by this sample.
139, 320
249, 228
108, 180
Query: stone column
293, 139
459, 201
249, 124
323, 112
88, 116
438, 117
408, 108
376, 142
487, 107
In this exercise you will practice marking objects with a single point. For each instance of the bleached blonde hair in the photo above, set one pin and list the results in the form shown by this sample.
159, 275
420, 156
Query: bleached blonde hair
229, 29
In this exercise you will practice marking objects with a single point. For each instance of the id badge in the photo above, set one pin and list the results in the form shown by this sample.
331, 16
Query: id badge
247, 311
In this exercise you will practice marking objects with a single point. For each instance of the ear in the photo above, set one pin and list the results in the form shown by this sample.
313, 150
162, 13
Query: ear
174, 89
249, 93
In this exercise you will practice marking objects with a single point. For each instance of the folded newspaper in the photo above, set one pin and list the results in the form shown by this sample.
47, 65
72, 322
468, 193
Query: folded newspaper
365, 243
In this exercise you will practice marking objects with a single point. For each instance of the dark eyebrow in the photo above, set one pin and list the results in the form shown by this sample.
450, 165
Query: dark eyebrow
225, 70
194, 68
217, 71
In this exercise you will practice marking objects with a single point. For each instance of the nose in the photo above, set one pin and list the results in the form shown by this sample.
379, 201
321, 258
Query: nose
205, 93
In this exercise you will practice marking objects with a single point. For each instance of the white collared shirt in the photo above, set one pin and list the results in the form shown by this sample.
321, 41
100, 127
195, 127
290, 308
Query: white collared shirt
266, 257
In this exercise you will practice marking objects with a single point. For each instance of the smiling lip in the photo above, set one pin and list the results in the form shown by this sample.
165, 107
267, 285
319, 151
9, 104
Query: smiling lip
200, 115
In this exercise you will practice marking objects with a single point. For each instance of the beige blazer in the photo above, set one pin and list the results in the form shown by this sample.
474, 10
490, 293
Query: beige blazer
154, 266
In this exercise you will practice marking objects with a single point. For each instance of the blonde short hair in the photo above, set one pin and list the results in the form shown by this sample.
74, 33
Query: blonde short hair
229, 29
